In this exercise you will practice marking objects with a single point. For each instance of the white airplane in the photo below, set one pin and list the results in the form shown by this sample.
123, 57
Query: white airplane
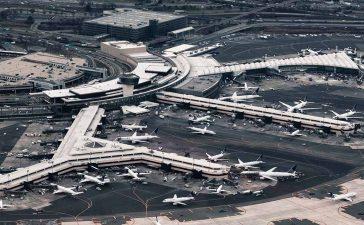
246, 87
249, 165
239, 98
295, 133
133, 174
4, 206
347, 115
218, 190
197, 130
139, 139
347, 197
271, 175
131, 127
92, 179
216, 157
203, 119
61, 189
178, 200
299, 106
308, 52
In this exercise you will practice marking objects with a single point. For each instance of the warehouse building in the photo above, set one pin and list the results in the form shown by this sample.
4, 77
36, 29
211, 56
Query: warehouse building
133, 24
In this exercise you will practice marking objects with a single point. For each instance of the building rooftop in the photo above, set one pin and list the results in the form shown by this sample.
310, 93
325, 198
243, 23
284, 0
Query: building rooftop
133, 18
125, 44
39, 66
339, 60
182, 30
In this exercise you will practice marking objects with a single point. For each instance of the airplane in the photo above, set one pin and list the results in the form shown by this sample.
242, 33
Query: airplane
178, 200
347, 197
139, 139
92, 179
4, 206
131, 127
197, 130
133, 174
271, 174
240, 98
203, 119
216, 157
347, 115
309, 52
249, 165
218, 190
246, 87
295, 133
61, 189
299, 106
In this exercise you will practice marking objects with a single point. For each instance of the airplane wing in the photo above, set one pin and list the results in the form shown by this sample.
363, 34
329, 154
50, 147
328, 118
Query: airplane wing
271, 170
57, 192
197, 132
269, 178
83, 181
180, 203
251, 167
286, 105
145, 173
349, 199
303, 109
335, 113
139, 141
124, 175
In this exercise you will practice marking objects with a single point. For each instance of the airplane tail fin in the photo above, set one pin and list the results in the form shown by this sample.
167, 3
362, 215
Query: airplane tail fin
208, 155
175, 196
240, 162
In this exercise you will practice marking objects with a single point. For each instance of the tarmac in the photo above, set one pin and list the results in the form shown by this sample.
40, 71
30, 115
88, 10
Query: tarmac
293, 210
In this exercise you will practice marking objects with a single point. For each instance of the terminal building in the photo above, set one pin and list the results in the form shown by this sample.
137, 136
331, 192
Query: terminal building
133, 24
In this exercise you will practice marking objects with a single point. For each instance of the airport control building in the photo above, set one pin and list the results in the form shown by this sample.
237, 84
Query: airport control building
133, 24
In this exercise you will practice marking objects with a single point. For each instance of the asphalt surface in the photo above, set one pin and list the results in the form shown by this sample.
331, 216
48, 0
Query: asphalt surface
9, 135
249, 46
337, 98
140, 199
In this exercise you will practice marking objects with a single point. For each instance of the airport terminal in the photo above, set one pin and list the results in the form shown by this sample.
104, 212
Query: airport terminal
159, 113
